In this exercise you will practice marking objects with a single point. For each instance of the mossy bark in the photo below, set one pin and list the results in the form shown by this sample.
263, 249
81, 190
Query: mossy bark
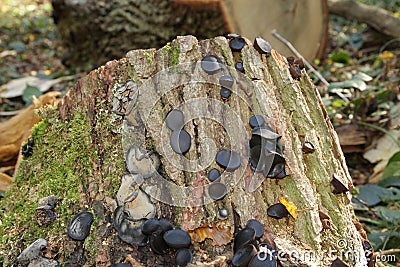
80, 146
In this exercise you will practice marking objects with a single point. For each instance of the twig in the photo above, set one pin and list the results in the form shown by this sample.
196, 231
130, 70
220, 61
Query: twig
309, 66
390, 251
9, 113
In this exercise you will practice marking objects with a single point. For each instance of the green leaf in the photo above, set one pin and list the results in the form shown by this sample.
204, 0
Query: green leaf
17, 46
338, 103
356, 40
353, 83
378, 240
362, 76
369, 193
390, 181
29, 92
392, 169
340, 57
391, 216
394, 158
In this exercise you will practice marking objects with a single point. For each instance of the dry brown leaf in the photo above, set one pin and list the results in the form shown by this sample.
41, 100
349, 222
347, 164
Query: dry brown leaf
219, 236
18, 128
5, 182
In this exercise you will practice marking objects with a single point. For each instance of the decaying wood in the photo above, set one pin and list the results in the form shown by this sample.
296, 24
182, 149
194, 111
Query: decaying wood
161, 80
380, 19
97, 31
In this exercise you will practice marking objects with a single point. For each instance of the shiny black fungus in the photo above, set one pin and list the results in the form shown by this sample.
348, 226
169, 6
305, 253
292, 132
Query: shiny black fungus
233, 35
308, 148
237, 43
262, 46
131, 233
174, 120
165, 225
266, 132
277, 171
337, 186
180, 141
27, 149
257, 226
211, 64
225, 93
79, 227
239, 66
177, 239
213, 175
229, 160
243, 256
183, 257
158, 244
256, 121
263, 259
217, 190
150, 226
223, 213
243, 237
277, 211
226, 81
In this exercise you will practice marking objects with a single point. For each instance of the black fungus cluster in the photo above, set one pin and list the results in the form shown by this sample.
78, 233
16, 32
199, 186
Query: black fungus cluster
265, 150
180, 140
249, 250
163, 238
27, 149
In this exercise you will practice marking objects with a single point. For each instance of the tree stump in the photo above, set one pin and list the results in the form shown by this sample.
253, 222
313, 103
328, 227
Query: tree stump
109, 148
96, 31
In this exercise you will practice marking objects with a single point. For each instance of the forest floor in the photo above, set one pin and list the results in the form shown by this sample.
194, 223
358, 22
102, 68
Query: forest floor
364, 72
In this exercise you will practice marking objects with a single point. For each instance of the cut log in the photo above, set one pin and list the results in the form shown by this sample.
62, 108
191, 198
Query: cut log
96, 31
119, 119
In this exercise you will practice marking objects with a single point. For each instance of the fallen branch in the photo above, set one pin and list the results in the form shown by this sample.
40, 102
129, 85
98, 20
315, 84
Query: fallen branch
378, 18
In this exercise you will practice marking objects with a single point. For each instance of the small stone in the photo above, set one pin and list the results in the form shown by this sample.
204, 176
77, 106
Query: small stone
243, 237
225, 93
177, 239
183, 257
211, 64
223, 213
257, 226
80, 226
180, 141
256, 121
228, 160
213, 175
237, 43
239, 66
175, 120
262, 46
337, 186
243, 256
226, 81
277, 211
217, 190
49, 201
308, 148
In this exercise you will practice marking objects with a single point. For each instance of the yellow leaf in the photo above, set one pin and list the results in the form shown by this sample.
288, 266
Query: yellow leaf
31, 37
291, 208
386, 55
47, 72
396, 14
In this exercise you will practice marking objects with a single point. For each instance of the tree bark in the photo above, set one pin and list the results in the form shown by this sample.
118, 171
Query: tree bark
80, 147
